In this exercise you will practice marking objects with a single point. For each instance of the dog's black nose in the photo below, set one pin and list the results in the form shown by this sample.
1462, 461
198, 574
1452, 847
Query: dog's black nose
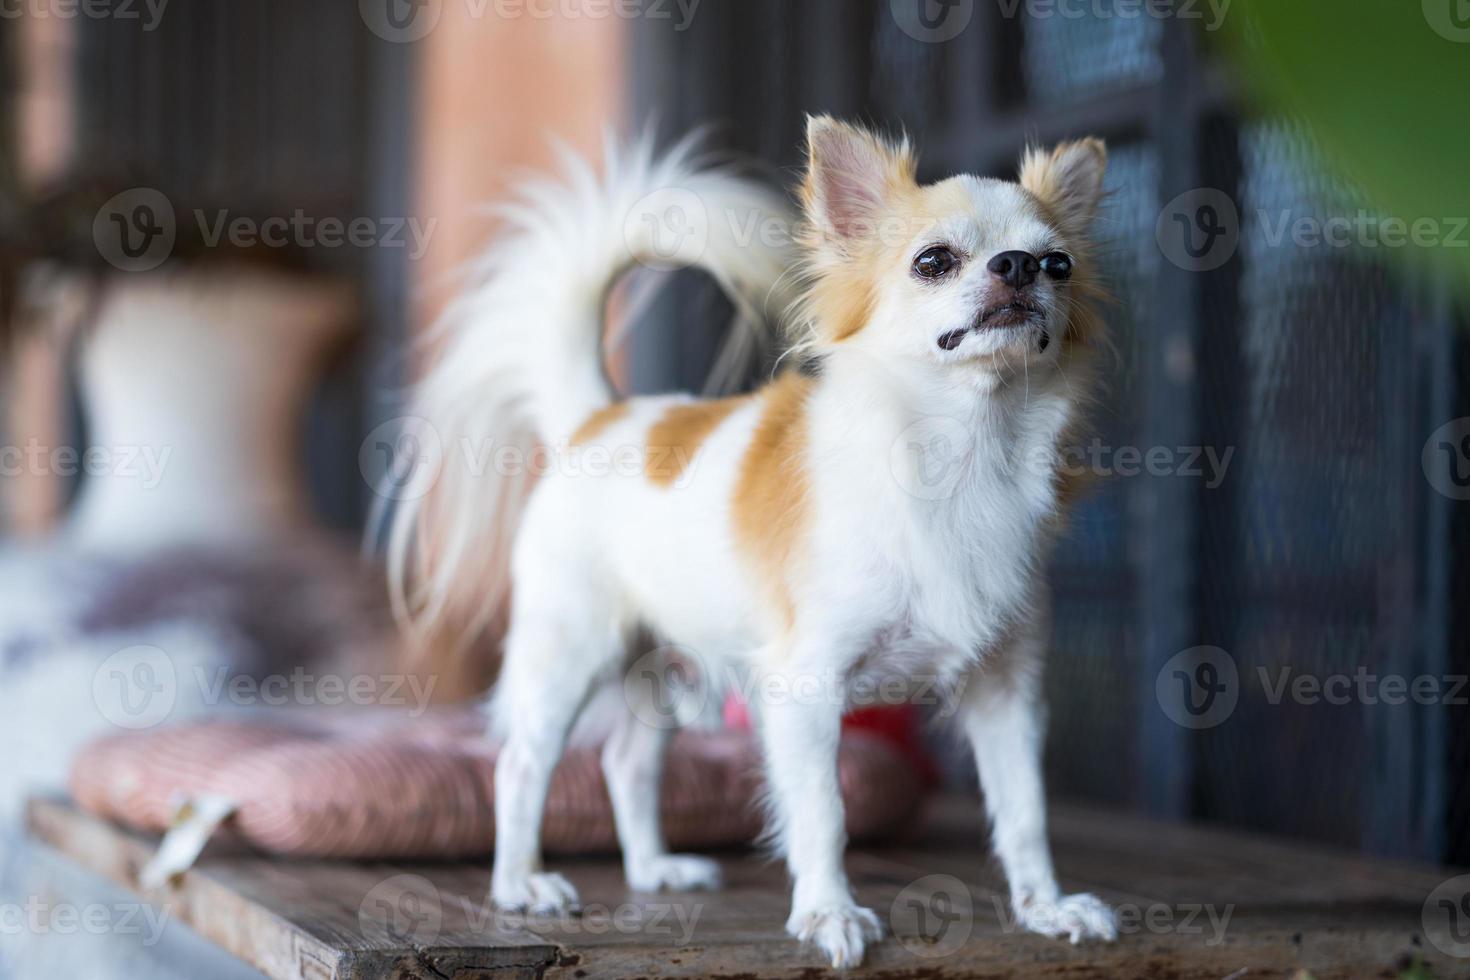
1015, 269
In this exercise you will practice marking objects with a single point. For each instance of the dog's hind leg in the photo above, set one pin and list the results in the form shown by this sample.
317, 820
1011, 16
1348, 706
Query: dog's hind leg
561, 639
633, 762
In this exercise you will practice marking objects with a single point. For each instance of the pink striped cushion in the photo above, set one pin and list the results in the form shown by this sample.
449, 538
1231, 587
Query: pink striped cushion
424, 788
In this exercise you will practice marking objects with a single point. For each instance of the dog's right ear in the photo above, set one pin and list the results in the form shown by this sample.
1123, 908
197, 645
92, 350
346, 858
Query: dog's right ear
851, 175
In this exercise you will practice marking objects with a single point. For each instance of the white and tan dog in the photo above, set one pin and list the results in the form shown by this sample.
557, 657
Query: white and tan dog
798, 537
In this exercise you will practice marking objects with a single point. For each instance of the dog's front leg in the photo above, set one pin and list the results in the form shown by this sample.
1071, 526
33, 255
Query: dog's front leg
800, 726
1003, 717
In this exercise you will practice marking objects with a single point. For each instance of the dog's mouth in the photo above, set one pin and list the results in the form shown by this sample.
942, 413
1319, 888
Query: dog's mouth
1011, 314
1015, 313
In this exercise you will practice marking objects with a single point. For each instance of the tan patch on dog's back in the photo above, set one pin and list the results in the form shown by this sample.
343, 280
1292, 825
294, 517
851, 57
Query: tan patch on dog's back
770, 502
676, 437
599, 422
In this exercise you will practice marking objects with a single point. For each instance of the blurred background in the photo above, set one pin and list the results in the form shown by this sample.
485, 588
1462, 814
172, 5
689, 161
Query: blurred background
225, 224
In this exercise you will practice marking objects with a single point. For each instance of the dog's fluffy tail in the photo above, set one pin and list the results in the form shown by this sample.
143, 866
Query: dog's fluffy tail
519, 354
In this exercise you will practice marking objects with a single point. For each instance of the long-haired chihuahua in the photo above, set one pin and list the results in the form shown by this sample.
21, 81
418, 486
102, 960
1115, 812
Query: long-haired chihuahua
875, 519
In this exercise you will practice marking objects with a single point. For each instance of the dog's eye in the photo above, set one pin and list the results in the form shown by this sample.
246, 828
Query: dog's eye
1057, 265
934, 262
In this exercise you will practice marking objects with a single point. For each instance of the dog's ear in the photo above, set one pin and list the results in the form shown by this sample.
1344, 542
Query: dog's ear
851, 174
1068, 180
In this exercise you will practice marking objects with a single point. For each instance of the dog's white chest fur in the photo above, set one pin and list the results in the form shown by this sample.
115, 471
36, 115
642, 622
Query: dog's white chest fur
935, 513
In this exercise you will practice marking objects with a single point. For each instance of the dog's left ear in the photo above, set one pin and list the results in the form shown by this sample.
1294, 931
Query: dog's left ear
1068, 180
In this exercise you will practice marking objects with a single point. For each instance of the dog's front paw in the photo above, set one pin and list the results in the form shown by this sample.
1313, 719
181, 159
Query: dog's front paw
539, 892
673, 872
1077, 917
840, 931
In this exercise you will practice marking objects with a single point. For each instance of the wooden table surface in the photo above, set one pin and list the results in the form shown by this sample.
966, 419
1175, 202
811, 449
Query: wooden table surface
1196, 903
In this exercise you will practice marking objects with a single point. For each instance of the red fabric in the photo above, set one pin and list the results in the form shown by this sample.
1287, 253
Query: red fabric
896, 724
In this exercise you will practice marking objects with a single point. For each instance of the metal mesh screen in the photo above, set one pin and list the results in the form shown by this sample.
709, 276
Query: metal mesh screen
1315, 519
1069, 55
1093, 685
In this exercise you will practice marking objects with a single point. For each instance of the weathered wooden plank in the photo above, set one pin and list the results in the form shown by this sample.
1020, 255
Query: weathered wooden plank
1198, 903
298, 920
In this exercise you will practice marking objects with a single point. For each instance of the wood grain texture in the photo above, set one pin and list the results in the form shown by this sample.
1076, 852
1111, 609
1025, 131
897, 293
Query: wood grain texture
1290, 906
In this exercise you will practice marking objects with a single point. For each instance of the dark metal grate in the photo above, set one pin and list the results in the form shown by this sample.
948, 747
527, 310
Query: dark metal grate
267, 109
1315, 529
